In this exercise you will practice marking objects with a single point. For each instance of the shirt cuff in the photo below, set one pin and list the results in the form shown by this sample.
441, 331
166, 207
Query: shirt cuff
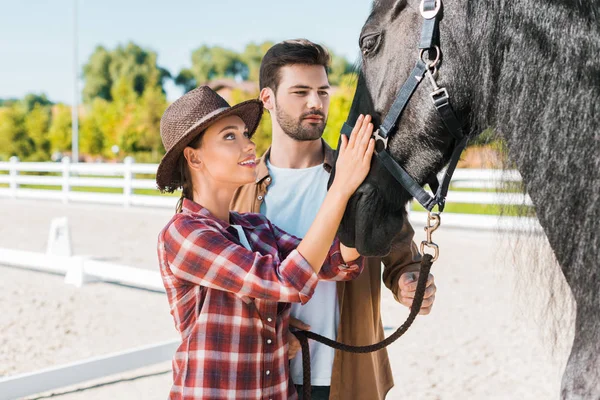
298, 272
337, 261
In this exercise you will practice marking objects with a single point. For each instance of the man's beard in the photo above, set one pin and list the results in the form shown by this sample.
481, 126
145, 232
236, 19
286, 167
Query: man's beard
296, 130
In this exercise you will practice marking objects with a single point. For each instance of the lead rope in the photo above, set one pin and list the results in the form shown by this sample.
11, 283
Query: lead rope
433, 222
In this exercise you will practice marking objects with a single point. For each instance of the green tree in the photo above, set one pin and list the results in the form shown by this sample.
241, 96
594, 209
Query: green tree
31, 100
186, 80
210, 63
150, 108
95, 129
14, 140
37, 123
8, 102
135, 64
60, 131
252, 57
98, 81
123, 130
338, 68
339, 107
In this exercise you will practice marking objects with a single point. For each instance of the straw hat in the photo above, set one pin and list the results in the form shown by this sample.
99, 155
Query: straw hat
189, 115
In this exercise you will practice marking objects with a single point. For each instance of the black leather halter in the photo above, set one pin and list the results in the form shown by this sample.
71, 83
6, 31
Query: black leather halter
431, 12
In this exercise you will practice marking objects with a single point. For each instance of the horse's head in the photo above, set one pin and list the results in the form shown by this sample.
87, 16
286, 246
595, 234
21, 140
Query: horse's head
419, 142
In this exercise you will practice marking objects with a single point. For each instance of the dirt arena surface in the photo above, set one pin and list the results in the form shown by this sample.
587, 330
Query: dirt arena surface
483, 339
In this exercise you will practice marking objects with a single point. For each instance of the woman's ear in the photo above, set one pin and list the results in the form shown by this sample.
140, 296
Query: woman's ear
268, 98
192, 157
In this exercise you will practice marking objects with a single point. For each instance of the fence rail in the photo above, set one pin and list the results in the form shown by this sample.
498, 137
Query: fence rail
19, 177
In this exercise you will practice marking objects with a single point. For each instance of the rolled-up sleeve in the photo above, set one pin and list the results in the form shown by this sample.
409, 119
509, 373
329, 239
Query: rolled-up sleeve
336, 269
206, 257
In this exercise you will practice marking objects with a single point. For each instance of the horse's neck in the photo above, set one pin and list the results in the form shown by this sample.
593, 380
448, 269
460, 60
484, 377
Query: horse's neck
539, 87
533, 62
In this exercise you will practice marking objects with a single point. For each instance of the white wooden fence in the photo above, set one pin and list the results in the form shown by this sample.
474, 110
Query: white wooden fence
55, 181
65, 175
16, 176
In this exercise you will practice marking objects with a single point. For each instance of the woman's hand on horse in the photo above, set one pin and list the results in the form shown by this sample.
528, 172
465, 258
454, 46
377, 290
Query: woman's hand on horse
354, 157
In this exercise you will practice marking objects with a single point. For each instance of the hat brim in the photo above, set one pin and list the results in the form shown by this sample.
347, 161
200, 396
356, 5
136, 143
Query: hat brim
168, 177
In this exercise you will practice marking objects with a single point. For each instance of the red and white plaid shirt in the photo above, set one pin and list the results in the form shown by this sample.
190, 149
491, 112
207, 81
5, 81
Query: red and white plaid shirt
231, 305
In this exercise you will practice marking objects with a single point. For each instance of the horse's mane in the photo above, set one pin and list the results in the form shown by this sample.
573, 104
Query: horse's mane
542, 96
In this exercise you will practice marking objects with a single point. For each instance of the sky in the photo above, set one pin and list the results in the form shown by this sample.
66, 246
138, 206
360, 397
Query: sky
37, 37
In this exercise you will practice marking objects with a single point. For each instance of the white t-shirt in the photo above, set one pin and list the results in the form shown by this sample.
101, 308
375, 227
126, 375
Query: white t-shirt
242, 236
292, 202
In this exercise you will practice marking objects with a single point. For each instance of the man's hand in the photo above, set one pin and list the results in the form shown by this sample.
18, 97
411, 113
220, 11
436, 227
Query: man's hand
293, 342
407, 287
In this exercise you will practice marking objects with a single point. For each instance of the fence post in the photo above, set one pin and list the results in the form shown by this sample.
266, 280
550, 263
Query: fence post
13, 173
127, 184
66, 163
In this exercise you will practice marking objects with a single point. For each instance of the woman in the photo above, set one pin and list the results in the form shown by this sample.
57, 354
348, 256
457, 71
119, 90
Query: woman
230, 277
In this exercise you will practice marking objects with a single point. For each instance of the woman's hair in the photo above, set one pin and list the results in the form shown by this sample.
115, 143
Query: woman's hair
187, 188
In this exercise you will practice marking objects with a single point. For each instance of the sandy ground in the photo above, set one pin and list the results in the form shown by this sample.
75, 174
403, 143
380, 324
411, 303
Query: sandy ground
483, 339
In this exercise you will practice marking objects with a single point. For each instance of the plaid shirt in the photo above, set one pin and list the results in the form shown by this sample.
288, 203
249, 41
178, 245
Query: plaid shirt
231, 305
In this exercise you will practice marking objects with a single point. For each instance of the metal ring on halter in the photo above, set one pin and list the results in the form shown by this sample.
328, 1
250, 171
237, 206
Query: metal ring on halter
433, 222
435, 62
436, 249
431, 13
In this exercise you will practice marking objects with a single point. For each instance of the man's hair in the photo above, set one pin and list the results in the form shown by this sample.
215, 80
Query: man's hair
290, 52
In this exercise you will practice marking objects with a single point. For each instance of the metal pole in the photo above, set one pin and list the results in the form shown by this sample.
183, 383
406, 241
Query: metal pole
74, 109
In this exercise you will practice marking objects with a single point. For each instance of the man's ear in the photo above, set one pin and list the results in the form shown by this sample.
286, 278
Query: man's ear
192, 157
267, 96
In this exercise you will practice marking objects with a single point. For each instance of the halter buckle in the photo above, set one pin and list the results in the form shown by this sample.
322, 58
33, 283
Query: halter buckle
381, 143
439, 94
429, 14
433, 222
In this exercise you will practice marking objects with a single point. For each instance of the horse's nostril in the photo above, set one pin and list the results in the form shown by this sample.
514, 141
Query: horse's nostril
377, 118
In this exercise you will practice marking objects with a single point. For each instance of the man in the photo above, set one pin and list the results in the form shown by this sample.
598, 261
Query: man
290, 186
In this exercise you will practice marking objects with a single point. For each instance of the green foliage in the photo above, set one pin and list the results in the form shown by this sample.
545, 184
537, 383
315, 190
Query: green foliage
8, 102
209, 63
339, 107
37, 123
124, 101
252, 57
151, 106
130, 62
186, 80
95, 132
13, 137
24, 131
338, 69
31, 100
130, 122
60, 131
96, 73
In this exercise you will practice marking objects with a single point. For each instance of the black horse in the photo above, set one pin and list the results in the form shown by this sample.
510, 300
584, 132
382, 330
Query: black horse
531, 71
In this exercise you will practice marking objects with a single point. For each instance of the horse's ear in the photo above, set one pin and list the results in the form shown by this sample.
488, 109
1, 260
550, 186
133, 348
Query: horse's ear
267, 97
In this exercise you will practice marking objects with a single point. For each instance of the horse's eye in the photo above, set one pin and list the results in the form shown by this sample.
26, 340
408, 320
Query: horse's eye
369, 43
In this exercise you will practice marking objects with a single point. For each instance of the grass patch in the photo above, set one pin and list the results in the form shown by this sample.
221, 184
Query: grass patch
507, 187
481, 209
147, 192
